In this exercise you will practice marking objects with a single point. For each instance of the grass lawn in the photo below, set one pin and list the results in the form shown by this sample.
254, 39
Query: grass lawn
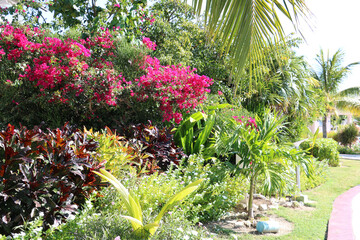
311, 225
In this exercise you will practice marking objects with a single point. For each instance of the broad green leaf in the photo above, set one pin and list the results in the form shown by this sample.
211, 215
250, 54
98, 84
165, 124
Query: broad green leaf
133, 221
204, 135
219, 106
151, 228
177, 198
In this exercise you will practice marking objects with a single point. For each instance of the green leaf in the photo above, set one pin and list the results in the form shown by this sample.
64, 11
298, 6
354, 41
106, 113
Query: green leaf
131, 202
204, 135
244, 26
132, 220
177, 198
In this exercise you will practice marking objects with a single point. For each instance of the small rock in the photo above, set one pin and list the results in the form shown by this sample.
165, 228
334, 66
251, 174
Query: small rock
239, 224
302, 198
288, 204
273, 206
273, 200
242, 206
259, 215
234, 237
247, 223
227, 214
259, 196
243, 215
255, 207
295, 204
282, 201
253, 224
263, 207
231, 222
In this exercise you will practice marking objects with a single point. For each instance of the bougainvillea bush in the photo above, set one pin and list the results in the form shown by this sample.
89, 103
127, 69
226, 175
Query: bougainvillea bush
54, 80
44, 173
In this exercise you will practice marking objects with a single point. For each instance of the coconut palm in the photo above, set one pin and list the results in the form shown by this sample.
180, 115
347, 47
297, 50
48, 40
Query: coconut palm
330, 74
244, 26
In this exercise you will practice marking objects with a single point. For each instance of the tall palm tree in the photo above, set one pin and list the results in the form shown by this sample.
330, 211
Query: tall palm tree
245, 26
330, 74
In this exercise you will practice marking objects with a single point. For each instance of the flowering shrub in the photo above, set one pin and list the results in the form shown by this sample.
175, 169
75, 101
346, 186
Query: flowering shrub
249, 121
149, 44
176, 89
81, 78
62, 69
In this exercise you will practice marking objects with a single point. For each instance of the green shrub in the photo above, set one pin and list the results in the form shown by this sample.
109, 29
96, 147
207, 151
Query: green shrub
101, 219
46, 174
220, 192
347, 150
114, 150
319, 176
323, 149
348, 135
331, 134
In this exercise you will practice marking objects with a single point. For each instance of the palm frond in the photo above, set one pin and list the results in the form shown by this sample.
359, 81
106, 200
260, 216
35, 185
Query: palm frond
348, 104
245, 26
349, 92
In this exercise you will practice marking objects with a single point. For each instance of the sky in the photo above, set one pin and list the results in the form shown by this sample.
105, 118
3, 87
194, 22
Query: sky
334, 26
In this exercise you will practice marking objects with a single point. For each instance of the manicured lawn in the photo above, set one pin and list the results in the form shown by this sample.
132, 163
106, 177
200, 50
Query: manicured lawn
312, 224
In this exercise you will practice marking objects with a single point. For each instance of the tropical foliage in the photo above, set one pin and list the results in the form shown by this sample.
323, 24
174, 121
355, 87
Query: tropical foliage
46, 174
245, 26
287, 87
323, 149
330, 74
175, 107
255, 143
132, 205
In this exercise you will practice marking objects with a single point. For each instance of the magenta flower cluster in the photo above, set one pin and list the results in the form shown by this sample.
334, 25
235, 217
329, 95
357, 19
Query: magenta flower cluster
149, 44
176, 89
59, 68
67, 70
248, 121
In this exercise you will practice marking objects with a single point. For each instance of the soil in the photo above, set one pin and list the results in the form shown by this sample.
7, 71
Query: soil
236, 221
286, 227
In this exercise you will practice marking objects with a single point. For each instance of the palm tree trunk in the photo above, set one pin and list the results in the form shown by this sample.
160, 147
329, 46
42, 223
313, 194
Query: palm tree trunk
324, 128
251, 197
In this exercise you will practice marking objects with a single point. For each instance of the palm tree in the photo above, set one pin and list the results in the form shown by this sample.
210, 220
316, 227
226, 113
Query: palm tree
260, 155
245, 26
330, 74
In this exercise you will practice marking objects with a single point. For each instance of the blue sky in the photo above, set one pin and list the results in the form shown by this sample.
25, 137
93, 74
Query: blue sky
335, 26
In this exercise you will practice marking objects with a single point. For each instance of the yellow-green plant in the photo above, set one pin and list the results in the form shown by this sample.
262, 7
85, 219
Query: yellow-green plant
133, 207
115, 150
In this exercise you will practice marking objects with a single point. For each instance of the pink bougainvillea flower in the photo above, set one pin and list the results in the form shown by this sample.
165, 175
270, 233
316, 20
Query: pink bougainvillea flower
149, 44
177, 89
60, 68
220, 92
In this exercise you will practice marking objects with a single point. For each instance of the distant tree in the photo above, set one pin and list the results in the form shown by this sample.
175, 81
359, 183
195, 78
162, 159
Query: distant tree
330, 74
87, 16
